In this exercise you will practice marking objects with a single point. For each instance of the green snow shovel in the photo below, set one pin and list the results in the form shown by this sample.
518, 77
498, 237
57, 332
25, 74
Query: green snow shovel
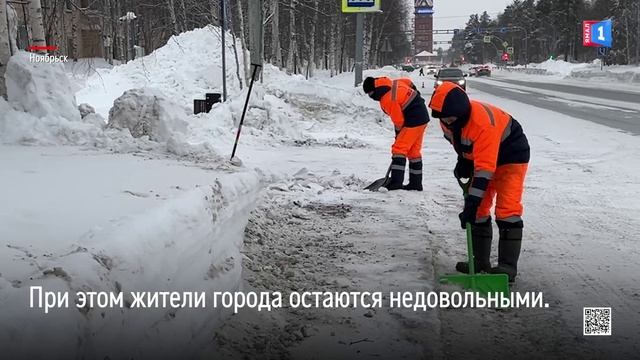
480, 283
376, 185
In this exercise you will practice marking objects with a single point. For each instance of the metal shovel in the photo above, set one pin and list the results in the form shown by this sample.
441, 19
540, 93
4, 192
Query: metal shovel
376, 185
481, 283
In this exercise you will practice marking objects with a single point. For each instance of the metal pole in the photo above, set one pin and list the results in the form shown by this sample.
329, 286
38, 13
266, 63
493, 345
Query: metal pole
224, 50
256, 67
359, 46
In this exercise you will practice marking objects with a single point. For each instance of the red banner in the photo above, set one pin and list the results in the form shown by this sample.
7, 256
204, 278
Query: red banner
586, 33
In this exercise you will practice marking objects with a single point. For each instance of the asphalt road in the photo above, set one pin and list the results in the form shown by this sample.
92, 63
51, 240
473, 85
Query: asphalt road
533, 93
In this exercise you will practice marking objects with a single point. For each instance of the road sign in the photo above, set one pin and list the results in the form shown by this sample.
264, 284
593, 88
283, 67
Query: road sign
603, 51
505, 44
510, 50
499, 53
597, 33
360, 6
487, 39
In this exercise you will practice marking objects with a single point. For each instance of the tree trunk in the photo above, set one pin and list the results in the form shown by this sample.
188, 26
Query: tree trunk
311, 64
332, 46
214, 12
292, 39
12, 20
627, 31
172, 15
183, 13
75, 35
36, 25
638, 35
368, 37
243, 42
5, 49
377, 45
235, 51
275, 34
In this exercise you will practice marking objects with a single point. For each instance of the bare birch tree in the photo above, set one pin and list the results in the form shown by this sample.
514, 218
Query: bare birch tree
37, 26
5, 49
275, 34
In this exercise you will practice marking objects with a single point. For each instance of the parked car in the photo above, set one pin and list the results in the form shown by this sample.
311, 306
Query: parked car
453, 75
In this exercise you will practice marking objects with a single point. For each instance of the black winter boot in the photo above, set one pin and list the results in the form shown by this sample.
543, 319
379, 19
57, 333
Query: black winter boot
415, 175
398, 163
509, 252
481, 236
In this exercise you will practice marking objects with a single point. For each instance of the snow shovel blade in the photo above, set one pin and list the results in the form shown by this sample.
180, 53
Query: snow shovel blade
483, 284
376, 185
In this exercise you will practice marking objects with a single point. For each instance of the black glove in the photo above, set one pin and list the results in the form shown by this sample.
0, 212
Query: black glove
463, 169
468, 215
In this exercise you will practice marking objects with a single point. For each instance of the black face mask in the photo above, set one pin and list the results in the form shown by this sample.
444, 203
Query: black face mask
458, 124
379, 92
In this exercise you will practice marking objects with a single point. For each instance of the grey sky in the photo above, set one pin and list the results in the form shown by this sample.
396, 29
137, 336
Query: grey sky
451, 14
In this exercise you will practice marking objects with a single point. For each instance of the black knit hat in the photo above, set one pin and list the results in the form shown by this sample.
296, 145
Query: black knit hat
369, 85
456, 103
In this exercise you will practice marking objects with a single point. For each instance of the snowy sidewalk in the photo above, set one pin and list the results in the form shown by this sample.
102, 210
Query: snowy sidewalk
75, 220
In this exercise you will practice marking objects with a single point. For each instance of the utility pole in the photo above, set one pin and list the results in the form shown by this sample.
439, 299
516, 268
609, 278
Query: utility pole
223, 31
256, 33
359, 47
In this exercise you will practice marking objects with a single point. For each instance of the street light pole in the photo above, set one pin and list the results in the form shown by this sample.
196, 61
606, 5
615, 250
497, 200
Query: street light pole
359, 47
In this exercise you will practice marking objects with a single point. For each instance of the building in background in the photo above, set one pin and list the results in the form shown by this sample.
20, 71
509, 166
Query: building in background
423, 39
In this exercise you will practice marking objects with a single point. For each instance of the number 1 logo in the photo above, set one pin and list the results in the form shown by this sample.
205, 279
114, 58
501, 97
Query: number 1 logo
601, 33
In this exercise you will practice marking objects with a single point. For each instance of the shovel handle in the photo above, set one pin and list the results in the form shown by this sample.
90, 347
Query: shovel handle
472, 264
464, 186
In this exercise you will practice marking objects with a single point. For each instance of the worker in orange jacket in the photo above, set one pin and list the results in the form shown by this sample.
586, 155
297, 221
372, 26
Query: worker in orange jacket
493, 152
401, 101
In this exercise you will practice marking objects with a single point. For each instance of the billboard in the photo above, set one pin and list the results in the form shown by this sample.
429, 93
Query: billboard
360, 6
597, 33
424, 7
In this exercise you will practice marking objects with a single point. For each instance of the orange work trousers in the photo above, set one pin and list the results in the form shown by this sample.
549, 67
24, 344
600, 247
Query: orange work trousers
409, 142
507, 187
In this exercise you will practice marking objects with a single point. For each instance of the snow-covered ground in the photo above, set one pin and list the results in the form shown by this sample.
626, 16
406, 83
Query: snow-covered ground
579, 74
116, 212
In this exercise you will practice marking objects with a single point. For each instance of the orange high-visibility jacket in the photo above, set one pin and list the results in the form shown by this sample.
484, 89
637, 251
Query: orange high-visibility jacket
402, 103
490, 137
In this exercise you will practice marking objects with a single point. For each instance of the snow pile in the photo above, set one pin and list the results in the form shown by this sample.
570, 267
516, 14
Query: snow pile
284, 108
187, 67
40, 89
42, 110
41, 107
623, 74
188, 243
147, 112
559, 67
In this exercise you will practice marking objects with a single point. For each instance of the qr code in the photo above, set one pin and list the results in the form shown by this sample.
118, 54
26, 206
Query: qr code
596, 321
